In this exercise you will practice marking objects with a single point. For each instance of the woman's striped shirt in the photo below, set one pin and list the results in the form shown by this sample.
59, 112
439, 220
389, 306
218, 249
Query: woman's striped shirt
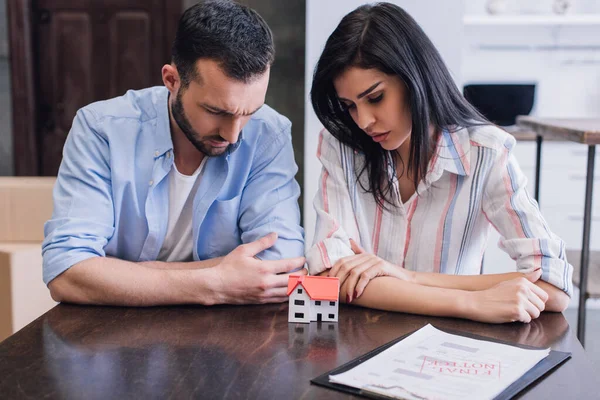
473, 183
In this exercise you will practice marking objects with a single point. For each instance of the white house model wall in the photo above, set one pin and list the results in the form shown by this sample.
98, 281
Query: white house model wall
299, 305
313, 298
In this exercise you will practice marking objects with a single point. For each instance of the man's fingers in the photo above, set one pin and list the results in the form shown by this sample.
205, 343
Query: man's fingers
356, 247
276, 292
271, 300
277, 282
302, 271
285, 265
253, 248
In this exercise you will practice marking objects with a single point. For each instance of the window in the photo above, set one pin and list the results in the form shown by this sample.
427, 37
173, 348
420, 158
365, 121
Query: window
298, 302
331, 316
299, 291
317, 303
332, 303
299, 315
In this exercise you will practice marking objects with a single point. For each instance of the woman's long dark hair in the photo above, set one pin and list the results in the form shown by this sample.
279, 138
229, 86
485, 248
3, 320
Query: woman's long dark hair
383, 36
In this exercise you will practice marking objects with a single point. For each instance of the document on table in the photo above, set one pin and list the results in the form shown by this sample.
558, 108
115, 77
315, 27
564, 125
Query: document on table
431, 364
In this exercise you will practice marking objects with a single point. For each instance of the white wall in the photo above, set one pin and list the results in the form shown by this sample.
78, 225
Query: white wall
563, 58
540, 7
440, 19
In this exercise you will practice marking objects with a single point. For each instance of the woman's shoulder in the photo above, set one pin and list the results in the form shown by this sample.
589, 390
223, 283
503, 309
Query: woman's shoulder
326, 137
490, 136
329, 144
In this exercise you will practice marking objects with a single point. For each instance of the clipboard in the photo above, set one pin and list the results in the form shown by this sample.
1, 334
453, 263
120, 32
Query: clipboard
545, 366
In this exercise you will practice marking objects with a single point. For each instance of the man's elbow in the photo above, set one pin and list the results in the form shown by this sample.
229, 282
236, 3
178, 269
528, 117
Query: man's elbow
56, 291
65, 288
59, 288
75, 284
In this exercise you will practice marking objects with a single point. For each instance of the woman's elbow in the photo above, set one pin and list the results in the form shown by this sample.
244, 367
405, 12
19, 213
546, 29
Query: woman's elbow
558, 301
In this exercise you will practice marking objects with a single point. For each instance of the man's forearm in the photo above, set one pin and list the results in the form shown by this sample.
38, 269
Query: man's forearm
213, 262
111, 281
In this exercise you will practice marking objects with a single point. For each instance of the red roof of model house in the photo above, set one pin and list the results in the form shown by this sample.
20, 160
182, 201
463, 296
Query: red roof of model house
317, 287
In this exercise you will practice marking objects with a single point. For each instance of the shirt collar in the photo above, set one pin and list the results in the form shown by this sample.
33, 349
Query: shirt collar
452, 153
164, 142
235, 146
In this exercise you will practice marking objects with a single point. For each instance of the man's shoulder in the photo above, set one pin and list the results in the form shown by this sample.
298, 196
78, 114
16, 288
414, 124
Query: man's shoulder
267, 123
137, 105
266, 133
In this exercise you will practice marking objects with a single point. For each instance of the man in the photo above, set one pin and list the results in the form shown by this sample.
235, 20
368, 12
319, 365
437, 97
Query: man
183, 193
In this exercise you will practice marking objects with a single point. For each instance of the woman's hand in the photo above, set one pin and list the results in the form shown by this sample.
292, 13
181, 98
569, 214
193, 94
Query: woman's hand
356, 271
509, 301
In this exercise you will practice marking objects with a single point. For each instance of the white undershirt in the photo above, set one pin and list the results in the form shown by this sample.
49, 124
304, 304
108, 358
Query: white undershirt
178, 244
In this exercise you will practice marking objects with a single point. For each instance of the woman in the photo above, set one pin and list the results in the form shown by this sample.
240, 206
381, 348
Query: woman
414, 178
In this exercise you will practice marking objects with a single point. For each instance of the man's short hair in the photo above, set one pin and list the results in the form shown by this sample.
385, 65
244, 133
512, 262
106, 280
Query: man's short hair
231, 34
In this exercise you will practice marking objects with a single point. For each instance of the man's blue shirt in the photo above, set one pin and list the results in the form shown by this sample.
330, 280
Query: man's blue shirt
112, 193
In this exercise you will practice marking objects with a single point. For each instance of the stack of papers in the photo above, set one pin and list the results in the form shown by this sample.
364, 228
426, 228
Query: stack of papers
431, 364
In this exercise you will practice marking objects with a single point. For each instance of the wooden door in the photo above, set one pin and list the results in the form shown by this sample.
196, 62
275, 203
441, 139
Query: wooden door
83, 51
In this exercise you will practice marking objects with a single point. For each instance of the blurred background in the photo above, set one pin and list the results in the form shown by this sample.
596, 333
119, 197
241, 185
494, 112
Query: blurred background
537, 57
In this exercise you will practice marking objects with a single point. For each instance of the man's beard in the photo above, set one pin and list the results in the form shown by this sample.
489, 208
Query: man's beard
189, 132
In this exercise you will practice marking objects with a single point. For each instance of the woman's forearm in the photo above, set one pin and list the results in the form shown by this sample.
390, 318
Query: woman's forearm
463, 282
392, 294
558, 300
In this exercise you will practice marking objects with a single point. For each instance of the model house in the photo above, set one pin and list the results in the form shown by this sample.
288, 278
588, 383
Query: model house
313, 298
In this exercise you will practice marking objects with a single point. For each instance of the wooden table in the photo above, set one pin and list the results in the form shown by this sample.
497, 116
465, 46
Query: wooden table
231, 352
586, 132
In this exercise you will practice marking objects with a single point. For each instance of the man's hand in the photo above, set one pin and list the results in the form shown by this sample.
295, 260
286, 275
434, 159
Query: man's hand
243, 279
356, 271
509, 301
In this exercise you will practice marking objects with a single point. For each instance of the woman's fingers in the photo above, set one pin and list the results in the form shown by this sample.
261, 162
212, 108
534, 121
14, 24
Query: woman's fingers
348, 264
541, 293
532, 311
357, 274
536, 298
372, 272
356, 247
